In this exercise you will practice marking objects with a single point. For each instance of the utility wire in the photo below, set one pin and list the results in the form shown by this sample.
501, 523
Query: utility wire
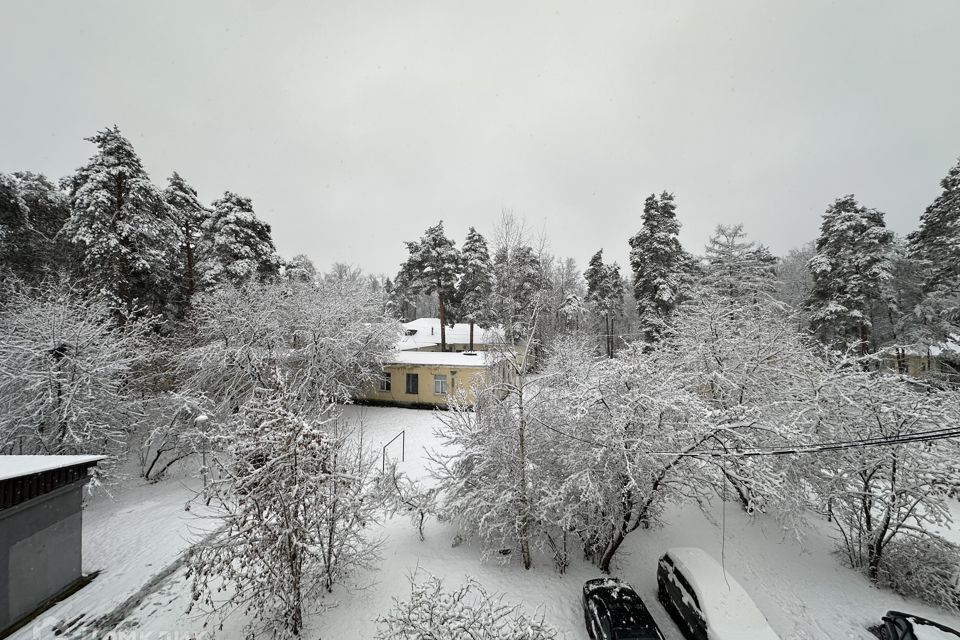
931, 435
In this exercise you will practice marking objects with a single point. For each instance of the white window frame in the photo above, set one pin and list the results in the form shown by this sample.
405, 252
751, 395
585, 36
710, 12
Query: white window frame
385, 382
439, 384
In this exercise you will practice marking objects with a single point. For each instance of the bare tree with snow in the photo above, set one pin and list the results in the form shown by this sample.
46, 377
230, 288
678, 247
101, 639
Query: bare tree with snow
67, 372
882, 496
294, 499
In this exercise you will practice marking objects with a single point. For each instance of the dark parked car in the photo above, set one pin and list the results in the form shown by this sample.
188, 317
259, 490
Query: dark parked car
904, 626
704, 599
614, 611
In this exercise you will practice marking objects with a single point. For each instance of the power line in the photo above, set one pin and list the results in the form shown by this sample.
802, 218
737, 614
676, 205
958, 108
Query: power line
930, 435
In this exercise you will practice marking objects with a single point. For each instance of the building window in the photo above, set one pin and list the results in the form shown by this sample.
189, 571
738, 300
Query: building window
440, 385
413, 383
385, 381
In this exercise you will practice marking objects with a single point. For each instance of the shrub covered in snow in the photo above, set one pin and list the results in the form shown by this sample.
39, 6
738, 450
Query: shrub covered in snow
925, 567
467, 612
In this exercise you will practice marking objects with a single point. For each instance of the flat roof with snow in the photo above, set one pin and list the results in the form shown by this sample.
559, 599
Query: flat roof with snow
442, 358
426, 331
19, 466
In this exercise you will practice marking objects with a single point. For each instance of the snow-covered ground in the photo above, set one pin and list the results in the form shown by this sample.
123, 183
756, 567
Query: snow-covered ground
801, 587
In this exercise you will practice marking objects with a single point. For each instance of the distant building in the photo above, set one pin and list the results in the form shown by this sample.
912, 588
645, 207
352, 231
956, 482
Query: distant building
938, 362
40, 532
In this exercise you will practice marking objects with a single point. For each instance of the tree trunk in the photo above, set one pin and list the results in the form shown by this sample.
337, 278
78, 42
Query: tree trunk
609, 551
443, 324
524, 498
190, 281
471, 336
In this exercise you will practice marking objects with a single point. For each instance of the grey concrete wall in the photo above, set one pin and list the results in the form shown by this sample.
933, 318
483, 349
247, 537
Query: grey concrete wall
40, 551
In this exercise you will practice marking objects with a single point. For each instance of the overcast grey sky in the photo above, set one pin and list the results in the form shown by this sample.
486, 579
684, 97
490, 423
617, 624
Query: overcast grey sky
355, 125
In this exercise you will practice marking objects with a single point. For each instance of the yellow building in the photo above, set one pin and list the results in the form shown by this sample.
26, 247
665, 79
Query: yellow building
427, 378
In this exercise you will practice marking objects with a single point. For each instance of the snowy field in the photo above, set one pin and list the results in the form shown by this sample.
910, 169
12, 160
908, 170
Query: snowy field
135, 538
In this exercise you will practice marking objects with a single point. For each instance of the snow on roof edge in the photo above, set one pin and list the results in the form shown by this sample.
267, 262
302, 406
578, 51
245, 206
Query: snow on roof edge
19, 466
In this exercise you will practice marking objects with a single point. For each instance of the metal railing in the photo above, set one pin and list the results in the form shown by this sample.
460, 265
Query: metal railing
403, 449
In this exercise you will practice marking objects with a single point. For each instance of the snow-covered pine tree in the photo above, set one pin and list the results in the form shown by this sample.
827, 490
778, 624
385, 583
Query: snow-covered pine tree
14, 223
935, 247
518, 285
433, 267
189, 215
736, 266
476, 284
657, 261
563, 297
614, 303
120, 224
300, 267
849, 270
237, 245
605, 295
32, 213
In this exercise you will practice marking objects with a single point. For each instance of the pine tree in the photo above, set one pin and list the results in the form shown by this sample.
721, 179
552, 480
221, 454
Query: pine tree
849, 270
657, 261
935, 249
189, 215
737, 267
476, 284
47, 211
937, 242
518, 282
300, 267
433, 268
14, 224
120, 224
32, 213
605, 296
237, 245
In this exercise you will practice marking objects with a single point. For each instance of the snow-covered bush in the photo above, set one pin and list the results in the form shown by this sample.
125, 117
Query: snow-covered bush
465, 613
403, 494
925, 567
294, 499
67, 372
